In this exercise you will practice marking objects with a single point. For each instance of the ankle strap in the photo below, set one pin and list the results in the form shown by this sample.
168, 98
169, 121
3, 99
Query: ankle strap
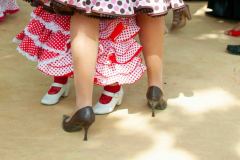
57, 85
111, 94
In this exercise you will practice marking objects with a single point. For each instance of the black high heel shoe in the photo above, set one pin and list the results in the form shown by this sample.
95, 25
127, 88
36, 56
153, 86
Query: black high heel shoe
155, 99
83, 118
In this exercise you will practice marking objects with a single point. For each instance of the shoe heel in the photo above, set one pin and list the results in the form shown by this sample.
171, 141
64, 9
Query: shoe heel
120, 100
86, 133
187, 12
65, 94
153, 105
82, 119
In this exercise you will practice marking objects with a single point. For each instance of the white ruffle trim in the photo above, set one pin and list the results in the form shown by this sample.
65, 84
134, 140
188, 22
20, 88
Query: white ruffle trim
50, 25
35, 58
31, 58
35, 38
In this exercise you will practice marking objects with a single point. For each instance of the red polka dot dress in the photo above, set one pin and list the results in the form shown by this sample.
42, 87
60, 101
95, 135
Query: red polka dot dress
116, 8
46, 40
7, 7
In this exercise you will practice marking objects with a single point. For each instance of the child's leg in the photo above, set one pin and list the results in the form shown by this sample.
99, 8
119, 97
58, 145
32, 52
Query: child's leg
151, 37
105, 99
60, 80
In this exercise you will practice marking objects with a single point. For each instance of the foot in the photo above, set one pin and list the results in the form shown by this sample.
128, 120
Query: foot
155, 99
180, 18
234, 49
83, 118
108, 101
235, 32
54, 94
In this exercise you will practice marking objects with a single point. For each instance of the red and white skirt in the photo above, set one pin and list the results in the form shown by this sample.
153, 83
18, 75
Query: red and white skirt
46, 40
7, 7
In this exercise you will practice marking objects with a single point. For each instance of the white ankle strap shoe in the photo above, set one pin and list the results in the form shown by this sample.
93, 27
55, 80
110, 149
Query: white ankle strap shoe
51, 99
117, 97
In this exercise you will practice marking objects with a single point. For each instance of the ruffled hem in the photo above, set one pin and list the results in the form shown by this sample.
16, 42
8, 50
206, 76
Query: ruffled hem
8, 7
3, 14
60, 67
121, 78
48, 41
118, 58
113, 9
45, 54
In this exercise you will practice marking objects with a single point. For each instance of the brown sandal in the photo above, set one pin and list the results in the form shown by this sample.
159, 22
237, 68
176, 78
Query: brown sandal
180, 18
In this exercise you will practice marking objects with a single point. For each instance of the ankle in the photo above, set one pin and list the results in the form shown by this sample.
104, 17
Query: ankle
112, 88
104, 99
61, 79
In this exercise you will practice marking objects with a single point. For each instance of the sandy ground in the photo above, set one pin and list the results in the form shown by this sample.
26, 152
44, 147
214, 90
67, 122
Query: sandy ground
201, 122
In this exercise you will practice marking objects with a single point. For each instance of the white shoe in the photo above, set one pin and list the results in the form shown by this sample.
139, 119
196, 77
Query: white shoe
51, 99
100, 108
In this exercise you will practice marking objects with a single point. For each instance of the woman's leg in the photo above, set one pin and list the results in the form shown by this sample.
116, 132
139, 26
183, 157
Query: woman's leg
151, 36
84, 47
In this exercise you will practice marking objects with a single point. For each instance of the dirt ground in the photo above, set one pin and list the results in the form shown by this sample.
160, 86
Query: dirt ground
202, 85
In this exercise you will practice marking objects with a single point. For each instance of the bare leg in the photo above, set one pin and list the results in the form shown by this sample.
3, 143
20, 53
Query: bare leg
151, 36
84, 47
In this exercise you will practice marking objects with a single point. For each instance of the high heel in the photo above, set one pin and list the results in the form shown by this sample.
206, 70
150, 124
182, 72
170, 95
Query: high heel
180, 18
83, 118
155, 99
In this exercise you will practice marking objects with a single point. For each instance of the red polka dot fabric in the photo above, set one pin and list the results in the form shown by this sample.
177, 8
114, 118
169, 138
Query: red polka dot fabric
7, 7
122, 7
46, 40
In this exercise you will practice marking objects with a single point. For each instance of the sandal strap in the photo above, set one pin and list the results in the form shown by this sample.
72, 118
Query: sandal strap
57, 85
111, 94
